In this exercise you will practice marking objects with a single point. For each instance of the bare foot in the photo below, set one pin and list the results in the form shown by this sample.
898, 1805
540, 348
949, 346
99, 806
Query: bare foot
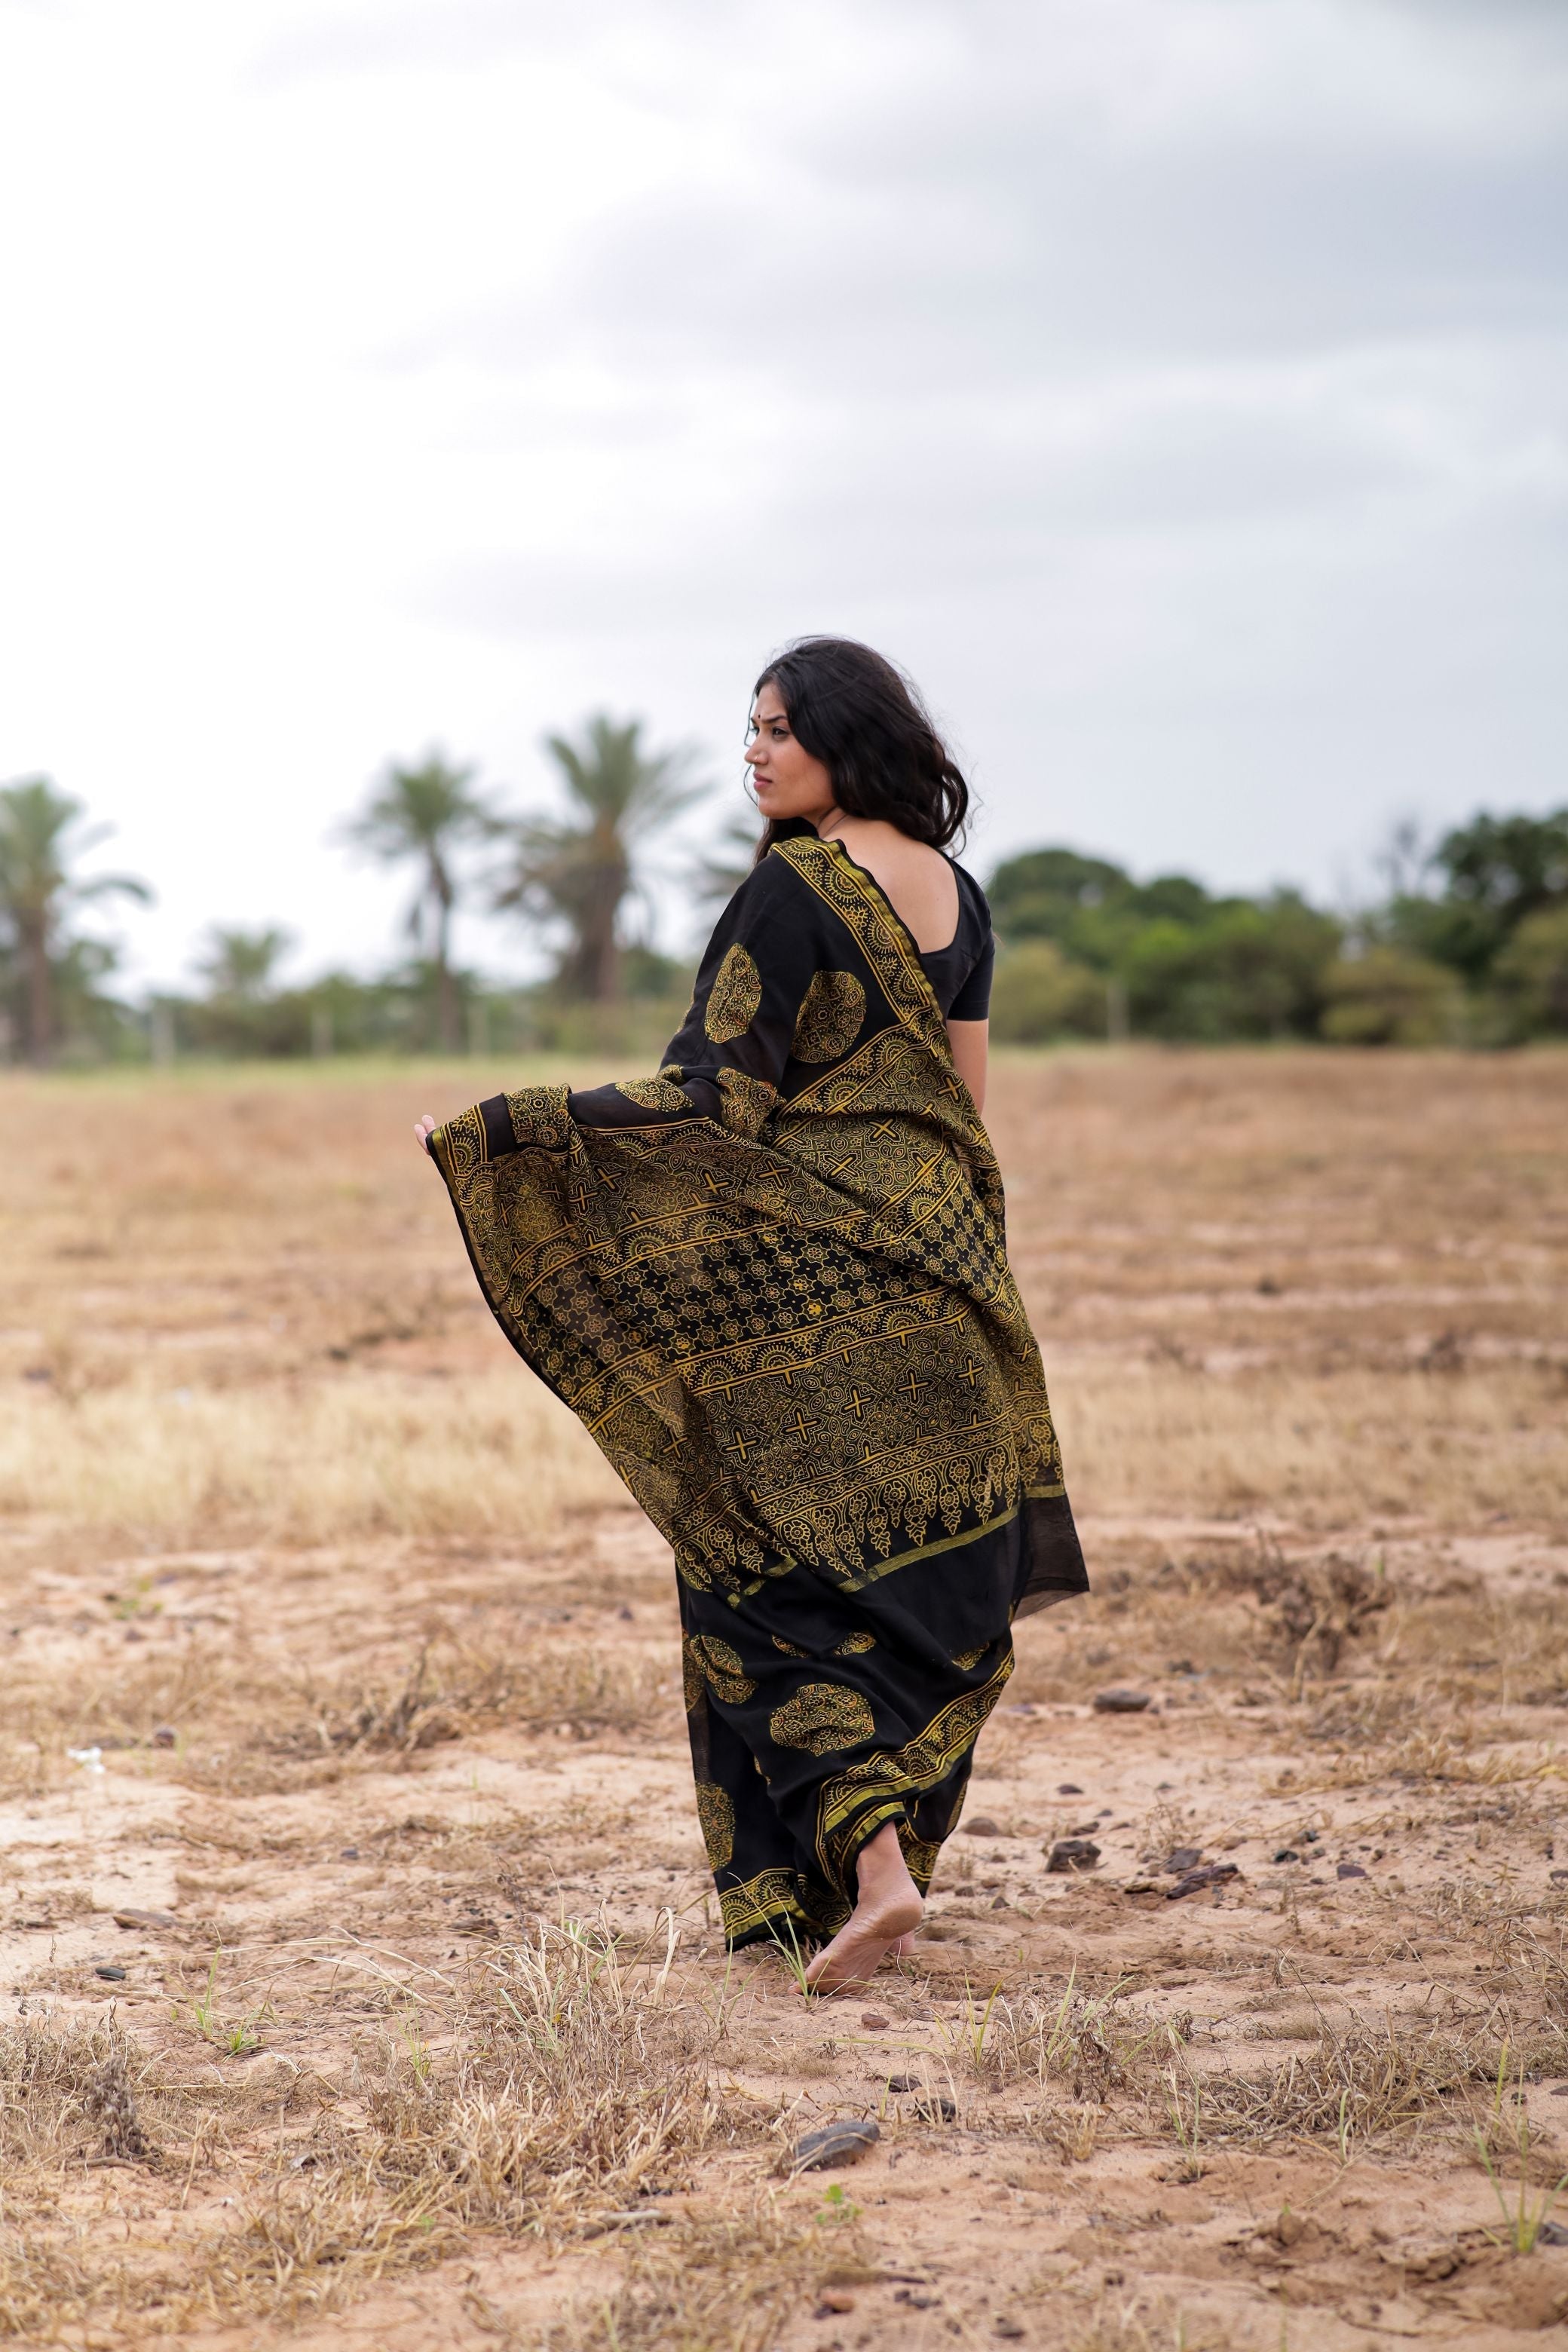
885, 1916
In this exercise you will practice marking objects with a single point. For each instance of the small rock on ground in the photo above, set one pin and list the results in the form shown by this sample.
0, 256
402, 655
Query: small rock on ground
1072, 1854
834, 2144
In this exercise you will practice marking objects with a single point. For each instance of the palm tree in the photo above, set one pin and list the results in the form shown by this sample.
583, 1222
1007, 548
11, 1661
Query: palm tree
732, 857
425, 812
577, 870
38, 892
238, 965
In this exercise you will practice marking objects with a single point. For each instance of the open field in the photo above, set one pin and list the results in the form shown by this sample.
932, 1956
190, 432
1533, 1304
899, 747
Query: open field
424, 2037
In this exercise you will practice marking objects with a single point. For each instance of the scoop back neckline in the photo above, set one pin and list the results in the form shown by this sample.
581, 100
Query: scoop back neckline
924, 955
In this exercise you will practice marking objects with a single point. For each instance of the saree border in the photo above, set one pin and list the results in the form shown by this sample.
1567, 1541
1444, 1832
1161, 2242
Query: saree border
890, 1778
879, 930
851, 1808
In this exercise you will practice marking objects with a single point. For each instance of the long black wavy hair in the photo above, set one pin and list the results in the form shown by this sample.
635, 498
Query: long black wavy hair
864, 720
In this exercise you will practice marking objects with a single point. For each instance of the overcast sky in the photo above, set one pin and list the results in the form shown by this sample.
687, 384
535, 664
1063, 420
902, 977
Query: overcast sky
1177, 388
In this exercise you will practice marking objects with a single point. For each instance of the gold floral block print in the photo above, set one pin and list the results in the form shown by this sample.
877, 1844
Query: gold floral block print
736, 994
721, 1668
822, 1717
716, 1815
789, 1322
748, 1102
831, 1017
653, 1094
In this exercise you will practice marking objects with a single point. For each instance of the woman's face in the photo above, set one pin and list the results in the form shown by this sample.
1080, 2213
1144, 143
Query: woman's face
788, 781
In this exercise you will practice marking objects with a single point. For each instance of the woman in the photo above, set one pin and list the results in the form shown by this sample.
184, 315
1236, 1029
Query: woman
772, 1282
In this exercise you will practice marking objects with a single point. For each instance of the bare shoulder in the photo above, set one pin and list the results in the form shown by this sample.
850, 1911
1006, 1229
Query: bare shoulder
917, 879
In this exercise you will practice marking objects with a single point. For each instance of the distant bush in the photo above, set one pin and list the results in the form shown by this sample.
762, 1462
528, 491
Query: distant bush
1187, 964
1037, 995
1530, 977
1497, 873
1244, 969
1386, 997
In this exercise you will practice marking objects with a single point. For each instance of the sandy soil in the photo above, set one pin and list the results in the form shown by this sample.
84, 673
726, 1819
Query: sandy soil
405, 1810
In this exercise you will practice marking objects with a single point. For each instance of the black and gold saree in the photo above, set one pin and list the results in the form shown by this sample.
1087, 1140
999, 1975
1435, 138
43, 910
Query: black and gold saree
773, 1284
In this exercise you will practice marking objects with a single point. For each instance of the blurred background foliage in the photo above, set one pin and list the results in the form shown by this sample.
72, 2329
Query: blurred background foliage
1467, 943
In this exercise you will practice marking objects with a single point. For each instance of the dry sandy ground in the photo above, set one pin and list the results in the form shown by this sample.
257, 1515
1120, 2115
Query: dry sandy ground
424, 2037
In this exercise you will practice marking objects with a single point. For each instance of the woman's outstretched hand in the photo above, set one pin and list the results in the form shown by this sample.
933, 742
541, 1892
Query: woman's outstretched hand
424, 1128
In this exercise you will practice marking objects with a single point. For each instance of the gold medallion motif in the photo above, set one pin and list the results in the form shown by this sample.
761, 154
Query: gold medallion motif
822, 1717
716, 1816
722, 1668
831, 1017
855, 1645
733, 999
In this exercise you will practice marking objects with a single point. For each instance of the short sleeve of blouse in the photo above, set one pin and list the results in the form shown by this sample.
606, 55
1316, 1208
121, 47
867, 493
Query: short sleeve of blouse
973, 1002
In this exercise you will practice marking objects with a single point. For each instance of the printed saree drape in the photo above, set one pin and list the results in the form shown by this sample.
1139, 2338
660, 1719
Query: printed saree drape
773, 1284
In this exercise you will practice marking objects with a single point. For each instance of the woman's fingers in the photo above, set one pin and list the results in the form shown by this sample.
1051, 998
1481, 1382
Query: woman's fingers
424, 1128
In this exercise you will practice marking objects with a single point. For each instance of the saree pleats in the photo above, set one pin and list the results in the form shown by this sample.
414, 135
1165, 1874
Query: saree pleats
773, 1284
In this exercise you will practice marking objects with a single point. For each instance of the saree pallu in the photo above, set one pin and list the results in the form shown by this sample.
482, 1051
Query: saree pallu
773, 1284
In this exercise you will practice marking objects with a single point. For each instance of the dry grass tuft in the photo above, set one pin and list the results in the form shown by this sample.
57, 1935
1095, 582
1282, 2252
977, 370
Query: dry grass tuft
1355, 2084
304, 1461
1091, 2043
571, 2081
716, 2285
566, 1685
69, 2092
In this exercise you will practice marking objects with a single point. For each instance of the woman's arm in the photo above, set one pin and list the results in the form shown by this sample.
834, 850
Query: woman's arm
970, 1041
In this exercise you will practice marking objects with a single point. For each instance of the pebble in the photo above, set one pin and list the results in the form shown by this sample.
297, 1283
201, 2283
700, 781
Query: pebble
110, 1974
874, 2021
1072, 1854
145, 1919
1213, 1873
834, 2144
165, 1736
937, 2111
982, 1827
897, 2084
1122, 1702
1069, 1789
833, 2299
1286, 1854
1007, 2327
1183, 1858
1349, 1870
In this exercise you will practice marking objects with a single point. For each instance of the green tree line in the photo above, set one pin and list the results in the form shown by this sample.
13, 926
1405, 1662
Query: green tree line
1467, 944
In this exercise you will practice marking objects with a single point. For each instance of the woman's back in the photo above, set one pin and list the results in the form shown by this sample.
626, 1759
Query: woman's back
916, 881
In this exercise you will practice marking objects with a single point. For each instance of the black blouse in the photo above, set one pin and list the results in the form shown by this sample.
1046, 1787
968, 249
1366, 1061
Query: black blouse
960, 973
